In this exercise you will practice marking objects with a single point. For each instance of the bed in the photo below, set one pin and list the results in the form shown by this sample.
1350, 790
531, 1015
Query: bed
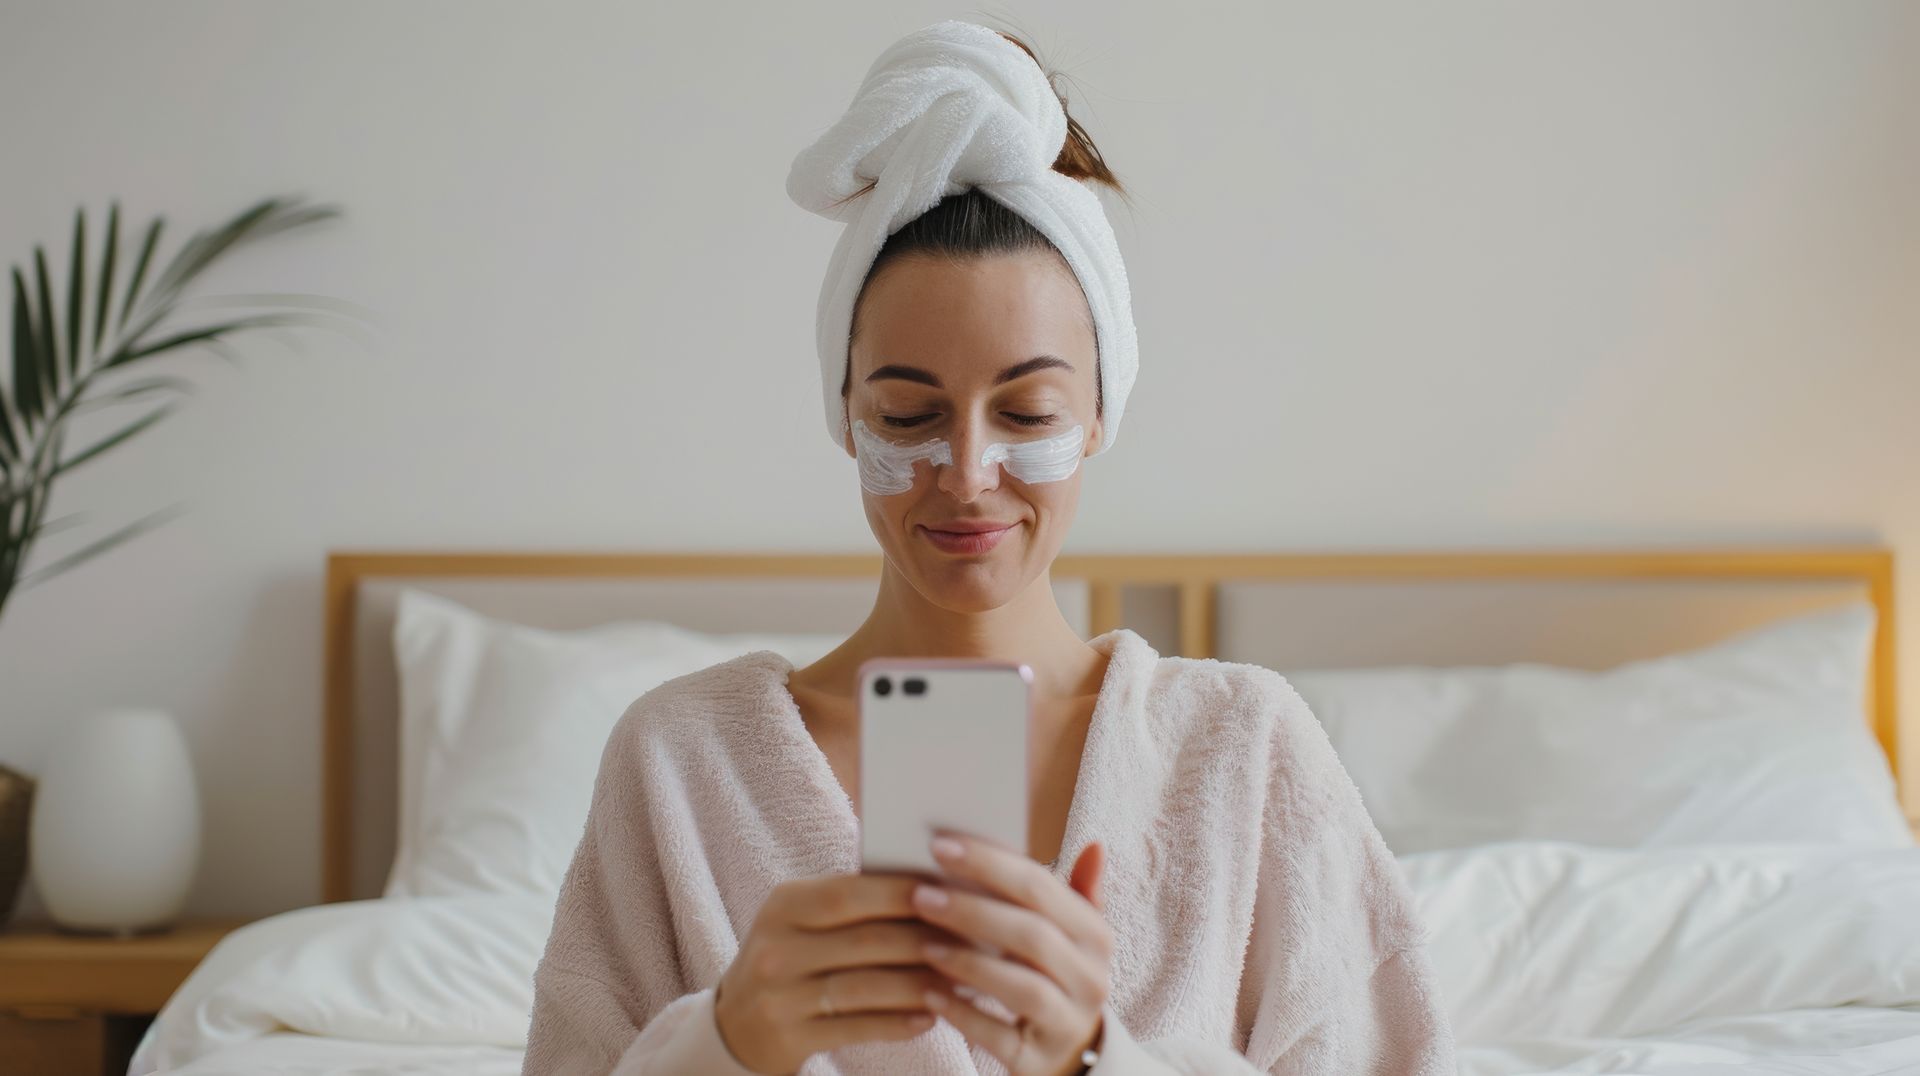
1718, 878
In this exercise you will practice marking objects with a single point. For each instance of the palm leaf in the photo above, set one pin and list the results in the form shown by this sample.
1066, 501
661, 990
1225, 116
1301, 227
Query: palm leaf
309, 300
22, 517
111, 440
47, 358
26, 351
58, 524
193, 336
76, 293
133, 390
57, 373
140, 268
357, 323
22, 346
9, 440
268, 216
93, 549
107, 257
200, 250
225, 351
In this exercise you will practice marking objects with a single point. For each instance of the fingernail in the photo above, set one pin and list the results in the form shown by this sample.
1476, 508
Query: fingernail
936, 1001
935, 950
928, 896
948, 848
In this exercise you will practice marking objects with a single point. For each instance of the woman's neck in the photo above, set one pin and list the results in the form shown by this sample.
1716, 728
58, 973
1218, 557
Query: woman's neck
1030, 628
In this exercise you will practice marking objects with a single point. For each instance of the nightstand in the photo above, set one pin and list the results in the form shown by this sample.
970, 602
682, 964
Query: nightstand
76, 1004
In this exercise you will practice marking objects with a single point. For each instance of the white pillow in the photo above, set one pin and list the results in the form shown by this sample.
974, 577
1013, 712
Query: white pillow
501, 730
1761, 737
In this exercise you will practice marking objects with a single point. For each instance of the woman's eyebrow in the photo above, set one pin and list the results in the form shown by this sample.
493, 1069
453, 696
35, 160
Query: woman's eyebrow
898, 372
1038, 362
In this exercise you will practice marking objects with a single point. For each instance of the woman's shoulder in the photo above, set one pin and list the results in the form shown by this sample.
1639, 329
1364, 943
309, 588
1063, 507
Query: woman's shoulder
1317, 820
706, 703
1212, 706
1231, 699
1216, 680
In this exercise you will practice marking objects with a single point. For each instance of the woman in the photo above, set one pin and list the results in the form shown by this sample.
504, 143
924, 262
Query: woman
1206, 894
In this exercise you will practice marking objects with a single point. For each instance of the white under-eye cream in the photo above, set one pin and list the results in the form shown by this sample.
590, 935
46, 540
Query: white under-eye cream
1049, 459
886, 468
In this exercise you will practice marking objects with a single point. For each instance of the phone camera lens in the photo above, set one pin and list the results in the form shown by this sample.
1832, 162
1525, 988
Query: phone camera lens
883, 686
915, 686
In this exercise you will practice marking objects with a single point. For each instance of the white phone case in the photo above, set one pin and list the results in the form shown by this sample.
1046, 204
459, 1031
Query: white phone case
951, 757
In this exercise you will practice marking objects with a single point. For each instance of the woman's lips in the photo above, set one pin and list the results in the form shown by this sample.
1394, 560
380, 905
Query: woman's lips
964, 542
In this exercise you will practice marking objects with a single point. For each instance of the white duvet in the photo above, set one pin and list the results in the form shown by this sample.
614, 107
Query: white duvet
422, 985
1705, 960
1554, 957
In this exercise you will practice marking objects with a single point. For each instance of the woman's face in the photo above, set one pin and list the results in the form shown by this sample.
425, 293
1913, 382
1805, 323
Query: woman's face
991, 349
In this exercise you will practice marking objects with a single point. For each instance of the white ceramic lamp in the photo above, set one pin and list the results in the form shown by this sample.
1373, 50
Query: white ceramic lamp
116, 824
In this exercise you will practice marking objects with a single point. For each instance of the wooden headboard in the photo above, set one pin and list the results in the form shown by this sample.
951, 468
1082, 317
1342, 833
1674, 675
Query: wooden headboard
1586, 609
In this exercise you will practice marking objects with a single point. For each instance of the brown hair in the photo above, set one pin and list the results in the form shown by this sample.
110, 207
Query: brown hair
1079, 157
972, 225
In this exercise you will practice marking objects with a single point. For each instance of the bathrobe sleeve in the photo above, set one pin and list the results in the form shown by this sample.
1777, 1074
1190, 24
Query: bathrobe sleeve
610, 992
1336, 976
1379, 1033
1335, 980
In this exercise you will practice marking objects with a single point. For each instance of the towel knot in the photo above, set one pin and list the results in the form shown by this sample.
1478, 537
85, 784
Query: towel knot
951, 106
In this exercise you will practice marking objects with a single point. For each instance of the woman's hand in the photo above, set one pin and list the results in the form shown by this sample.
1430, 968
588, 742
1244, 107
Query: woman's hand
1054, 951
828, 961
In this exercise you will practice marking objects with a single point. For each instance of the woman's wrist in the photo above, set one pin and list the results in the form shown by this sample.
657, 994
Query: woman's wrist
720, 1029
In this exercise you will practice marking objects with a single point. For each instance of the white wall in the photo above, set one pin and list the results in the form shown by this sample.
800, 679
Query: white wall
1467, 275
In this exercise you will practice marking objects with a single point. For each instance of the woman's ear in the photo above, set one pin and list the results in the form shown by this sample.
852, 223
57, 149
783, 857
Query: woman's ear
1093, 440
846, 432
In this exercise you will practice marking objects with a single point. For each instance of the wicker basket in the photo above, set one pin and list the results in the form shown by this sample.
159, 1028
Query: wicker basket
16, 806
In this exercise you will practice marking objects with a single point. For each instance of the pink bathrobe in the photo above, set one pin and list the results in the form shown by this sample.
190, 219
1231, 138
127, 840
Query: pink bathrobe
1260, 923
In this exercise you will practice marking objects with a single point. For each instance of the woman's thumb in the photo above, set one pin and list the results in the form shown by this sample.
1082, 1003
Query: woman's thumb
1087, 868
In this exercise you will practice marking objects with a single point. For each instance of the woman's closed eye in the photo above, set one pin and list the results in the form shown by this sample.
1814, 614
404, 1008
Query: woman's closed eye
1032, 420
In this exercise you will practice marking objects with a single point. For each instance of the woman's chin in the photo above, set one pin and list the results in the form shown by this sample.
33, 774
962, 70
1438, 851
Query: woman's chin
965, 584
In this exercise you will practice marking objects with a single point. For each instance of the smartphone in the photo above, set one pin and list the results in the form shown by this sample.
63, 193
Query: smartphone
943, 746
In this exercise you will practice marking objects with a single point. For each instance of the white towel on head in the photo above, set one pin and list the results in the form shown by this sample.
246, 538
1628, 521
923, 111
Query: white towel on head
949, 107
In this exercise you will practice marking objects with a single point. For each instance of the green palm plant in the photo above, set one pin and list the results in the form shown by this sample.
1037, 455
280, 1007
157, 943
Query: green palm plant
86, 358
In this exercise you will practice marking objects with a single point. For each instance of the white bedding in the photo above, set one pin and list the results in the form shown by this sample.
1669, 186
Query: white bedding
1777, 959
285, 1053
1850, 1041
1699, 961
417, 984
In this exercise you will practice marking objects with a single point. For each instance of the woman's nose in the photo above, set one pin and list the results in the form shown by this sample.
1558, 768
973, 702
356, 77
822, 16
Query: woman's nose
966, 478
